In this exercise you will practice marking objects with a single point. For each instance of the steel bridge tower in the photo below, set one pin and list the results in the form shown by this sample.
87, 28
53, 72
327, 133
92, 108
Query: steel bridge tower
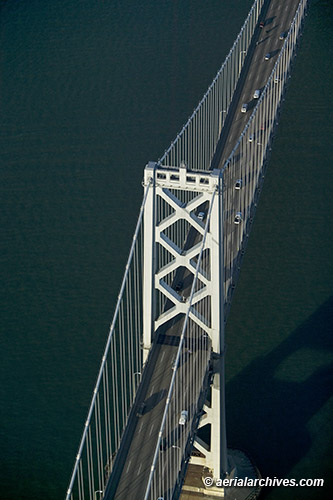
170, 188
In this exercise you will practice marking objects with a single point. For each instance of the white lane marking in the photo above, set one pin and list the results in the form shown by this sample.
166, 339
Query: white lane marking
151, 429
139, 469
141, 427
152, 390
129, 464
163, 354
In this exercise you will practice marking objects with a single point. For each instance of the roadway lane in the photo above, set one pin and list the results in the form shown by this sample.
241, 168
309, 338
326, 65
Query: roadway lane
143, 438
130, 475
266, 40
254, 77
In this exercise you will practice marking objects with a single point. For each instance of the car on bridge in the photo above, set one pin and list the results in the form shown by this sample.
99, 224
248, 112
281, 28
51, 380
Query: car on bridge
244, 108
183, 417
163, 444
238, 218
179, 286
256, 94
141, 410
283, 35
268, 56
238, 184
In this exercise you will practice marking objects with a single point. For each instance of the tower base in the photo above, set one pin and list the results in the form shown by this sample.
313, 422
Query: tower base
198, 479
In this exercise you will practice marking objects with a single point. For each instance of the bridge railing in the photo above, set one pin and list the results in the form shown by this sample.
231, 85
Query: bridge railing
247, 161
196, 143
117, 382
189, 371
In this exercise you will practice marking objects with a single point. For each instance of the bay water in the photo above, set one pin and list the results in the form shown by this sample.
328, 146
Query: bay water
90, 92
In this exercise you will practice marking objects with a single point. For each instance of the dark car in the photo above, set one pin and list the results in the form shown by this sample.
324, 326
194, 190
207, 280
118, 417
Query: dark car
163, 444
261, 24
141, 410
268, 56
179, 286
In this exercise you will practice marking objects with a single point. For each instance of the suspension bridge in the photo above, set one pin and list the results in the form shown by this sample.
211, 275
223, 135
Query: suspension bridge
158, 407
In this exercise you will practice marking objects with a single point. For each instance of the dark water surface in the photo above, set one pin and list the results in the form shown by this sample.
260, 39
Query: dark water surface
90, 91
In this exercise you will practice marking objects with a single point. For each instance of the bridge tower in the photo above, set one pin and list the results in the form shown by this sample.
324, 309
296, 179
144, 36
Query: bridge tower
183, 199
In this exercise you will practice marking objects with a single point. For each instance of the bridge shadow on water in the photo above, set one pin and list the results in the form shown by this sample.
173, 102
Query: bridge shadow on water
270, 403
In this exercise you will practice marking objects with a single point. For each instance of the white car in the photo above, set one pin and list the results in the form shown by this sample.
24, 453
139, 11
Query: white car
256, 94
238, 218
183, 417
238, 184
244, 108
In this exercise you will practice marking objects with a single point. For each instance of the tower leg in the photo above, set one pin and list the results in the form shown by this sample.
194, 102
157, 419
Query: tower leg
149, 262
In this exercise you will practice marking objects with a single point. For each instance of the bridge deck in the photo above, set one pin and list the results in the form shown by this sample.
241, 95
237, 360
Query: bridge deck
130, 477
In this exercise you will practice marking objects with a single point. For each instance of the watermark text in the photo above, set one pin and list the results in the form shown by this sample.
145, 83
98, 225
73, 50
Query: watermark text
261, 482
